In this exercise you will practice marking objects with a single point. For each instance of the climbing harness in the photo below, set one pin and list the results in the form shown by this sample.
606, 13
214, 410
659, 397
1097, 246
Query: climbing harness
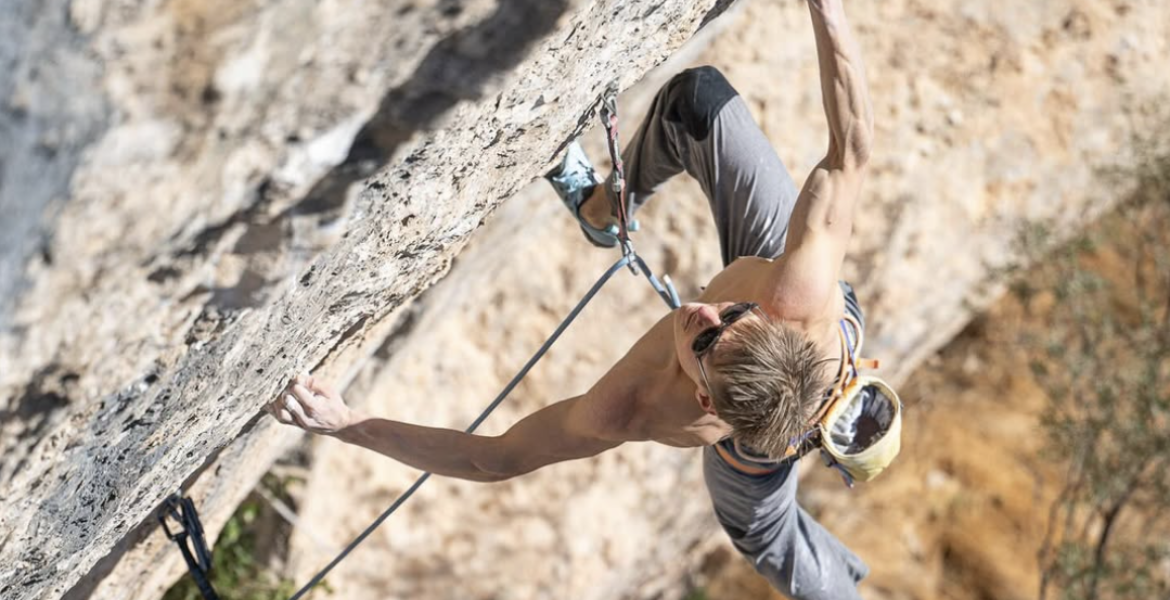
860, 426
190, 530
630, 259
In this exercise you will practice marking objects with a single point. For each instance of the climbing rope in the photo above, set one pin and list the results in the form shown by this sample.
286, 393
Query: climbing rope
666, 291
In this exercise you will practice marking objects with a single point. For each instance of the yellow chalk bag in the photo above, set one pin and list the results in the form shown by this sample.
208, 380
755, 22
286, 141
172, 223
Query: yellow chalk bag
862, 430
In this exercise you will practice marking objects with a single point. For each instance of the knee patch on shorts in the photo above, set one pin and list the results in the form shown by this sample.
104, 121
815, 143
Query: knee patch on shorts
695, 98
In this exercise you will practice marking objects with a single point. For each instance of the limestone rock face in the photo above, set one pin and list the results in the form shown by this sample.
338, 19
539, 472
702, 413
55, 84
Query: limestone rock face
988, 119
182, 239
180, 235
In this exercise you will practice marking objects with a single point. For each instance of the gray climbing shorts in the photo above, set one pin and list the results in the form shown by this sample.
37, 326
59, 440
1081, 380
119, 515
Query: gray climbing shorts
699, 124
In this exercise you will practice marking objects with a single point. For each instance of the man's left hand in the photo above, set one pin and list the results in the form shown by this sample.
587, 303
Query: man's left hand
311, 405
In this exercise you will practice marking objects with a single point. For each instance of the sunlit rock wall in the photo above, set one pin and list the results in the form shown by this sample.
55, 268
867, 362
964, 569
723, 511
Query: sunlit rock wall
989, 117
182, 236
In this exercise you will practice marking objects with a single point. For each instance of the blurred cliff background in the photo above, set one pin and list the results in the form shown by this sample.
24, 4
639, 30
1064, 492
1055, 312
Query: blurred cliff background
179, 179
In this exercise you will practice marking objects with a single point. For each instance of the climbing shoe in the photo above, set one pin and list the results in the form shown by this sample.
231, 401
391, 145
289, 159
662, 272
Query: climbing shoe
574, 181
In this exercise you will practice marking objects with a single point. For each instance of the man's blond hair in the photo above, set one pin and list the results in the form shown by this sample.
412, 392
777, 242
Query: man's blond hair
768, 381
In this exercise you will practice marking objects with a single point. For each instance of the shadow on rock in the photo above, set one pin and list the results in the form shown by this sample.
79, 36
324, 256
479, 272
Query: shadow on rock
459, 68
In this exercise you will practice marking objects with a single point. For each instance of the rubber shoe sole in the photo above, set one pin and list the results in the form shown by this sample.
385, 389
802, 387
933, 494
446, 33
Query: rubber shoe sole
574, 181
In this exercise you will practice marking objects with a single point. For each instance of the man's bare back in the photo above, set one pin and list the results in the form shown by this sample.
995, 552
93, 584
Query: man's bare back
651, 384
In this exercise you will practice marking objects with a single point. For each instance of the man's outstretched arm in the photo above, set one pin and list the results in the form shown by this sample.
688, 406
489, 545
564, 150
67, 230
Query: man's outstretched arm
566, 430
822, 221
843, 89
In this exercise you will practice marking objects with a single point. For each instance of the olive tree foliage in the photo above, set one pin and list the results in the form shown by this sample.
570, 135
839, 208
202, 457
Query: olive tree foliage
1102, 355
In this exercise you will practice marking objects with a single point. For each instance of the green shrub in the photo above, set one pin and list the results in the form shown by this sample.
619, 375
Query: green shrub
237, 573
1103, 358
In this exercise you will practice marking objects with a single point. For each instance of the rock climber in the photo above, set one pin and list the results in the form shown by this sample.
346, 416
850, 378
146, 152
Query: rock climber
744, 369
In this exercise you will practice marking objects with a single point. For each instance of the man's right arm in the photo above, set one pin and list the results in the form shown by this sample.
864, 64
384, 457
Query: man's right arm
822, 220
555, 433
578, 427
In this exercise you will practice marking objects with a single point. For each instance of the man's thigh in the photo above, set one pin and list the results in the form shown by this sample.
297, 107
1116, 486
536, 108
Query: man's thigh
751, 193
700, 124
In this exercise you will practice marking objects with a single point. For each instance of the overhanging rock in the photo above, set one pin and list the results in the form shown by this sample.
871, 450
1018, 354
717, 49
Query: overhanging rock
73, 506
966, 159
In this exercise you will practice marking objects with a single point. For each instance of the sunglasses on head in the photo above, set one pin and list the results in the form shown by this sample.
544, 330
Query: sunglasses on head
707, 338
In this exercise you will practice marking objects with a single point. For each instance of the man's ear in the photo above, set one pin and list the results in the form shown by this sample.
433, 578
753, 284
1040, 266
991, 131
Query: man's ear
705, 402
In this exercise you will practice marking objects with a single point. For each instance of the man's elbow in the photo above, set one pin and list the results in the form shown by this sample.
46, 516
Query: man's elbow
500, 473
499, 464
862, 139
857, 157
852, 152
857, 145
492, 477
483, 474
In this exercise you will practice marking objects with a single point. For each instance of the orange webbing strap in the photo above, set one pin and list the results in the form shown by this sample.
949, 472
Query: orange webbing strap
858, 361
842, 378
849, 363
837, 392
741, 466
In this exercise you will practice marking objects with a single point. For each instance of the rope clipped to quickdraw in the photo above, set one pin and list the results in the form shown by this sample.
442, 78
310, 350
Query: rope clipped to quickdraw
609, 120
189, 537
666, 291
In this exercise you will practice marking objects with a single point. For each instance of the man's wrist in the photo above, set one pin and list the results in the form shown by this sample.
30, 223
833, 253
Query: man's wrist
353, 428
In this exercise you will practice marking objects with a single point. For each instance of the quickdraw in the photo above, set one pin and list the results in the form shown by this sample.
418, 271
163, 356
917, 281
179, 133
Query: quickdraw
189, 537
609, 120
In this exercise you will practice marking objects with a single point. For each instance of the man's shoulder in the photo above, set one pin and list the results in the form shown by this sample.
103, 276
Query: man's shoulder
611, 407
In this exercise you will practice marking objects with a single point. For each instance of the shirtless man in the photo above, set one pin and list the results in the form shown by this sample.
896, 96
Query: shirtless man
740, 371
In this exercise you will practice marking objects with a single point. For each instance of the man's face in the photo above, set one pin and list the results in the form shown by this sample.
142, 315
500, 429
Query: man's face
692, 319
